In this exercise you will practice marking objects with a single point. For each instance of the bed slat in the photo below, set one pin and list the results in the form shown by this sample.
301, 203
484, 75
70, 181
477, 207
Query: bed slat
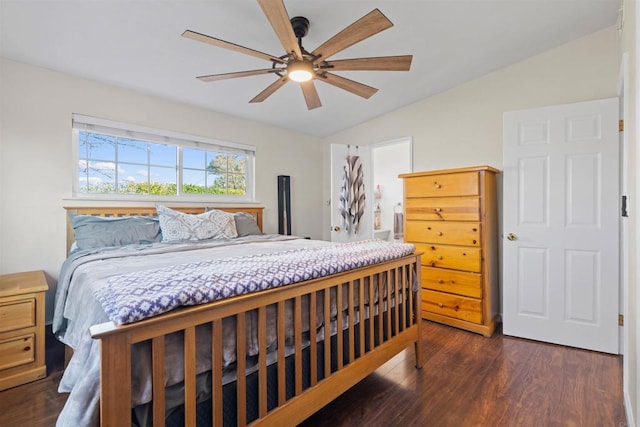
241, 364
282, 391
216, 372
190, 376
313, 337
157, 349
262, 361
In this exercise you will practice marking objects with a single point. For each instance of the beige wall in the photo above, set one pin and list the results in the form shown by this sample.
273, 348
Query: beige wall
36, 162
463, 126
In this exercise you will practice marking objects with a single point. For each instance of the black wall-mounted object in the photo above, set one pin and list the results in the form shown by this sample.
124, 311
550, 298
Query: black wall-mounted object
284, 204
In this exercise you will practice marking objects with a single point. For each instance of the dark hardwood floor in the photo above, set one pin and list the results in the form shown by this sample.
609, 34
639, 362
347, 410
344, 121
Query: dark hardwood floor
467, 380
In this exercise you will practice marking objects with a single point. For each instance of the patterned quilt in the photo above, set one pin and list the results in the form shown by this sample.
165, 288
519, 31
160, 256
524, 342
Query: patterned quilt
135, 296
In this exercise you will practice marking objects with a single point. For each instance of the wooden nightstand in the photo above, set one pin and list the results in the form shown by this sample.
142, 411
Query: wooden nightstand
22, 357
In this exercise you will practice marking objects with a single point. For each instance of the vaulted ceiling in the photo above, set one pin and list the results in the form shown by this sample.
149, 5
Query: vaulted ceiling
138, 45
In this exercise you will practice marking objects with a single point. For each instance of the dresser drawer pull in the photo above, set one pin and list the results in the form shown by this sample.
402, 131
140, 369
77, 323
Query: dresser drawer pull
441, 281
27, 348
457, 307
433, 263
433, 248
440, 305
440, 233
436, 185
475, 241
440, 257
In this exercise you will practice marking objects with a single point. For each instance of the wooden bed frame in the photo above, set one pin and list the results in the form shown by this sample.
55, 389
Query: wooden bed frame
390, 334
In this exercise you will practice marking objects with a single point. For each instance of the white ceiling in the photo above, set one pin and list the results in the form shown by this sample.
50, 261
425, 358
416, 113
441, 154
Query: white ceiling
137, 45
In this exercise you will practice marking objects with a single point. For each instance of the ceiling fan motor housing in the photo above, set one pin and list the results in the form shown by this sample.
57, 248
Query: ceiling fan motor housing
300, 26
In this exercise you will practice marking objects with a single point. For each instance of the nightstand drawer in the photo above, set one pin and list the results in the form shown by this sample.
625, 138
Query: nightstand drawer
17, 351
17, 315
456, 282
454, 257
456, 184
450, 233
455, 306
443, 209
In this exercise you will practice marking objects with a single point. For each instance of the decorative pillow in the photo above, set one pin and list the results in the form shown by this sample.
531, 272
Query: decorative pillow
177, 226
246, 224
93, 232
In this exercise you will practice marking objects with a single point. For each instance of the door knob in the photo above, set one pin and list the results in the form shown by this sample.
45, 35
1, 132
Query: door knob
336, 228
512, 236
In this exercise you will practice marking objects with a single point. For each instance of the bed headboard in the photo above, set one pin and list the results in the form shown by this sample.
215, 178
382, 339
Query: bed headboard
149, 211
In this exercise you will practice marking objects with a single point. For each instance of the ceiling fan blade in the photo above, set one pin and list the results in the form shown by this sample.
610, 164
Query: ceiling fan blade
225, 76
381, 63
231, 46
310, 95
277, 16
270, 89
370, 24
348, 85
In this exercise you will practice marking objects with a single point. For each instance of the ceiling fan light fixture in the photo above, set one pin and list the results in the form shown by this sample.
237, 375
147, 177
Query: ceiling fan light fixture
300, 71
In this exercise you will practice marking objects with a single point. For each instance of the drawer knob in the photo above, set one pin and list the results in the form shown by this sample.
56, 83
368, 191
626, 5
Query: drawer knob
27, 348
439, 233
457, 307
440, 257
437, 209
475, 241
433, 248
440, 305
435, 184
428, 228
453, 282
433, 263
441, 281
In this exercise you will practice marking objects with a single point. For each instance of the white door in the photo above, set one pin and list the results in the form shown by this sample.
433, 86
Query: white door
340, 233
560, 229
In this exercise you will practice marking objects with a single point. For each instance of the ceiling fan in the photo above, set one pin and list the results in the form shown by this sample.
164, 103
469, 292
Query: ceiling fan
304, 67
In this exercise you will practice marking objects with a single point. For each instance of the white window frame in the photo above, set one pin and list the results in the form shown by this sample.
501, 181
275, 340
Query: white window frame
113, 128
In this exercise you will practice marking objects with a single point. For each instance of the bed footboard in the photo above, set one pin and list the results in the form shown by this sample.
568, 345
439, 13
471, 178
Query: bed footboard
385, 294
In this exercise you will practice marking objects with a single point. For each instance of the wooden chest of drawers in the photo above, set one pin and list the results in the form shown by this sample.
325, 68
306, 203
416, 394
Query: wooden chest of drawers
451, 217
22, 357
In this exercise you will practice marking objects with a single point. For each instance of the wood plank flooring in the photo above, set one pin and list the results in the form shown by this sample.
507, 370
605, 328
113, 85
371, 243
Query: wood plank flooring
467, 380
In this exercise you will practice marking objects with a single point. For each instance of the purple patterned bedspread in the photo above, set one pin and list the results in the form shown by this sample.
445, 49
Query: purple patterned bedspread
135, 296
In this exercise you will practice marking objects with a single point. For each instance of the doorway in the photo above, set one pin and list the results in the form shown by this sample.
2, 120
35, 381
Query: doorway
389, 159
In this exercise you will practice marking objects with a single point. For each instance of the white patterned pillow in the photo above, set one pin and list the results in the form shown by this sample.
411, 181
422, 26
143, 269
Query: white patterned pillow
177, 226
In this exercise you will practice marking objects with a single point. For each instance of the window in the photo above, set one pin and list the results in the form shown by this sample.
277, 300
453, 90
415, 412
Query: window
128, 161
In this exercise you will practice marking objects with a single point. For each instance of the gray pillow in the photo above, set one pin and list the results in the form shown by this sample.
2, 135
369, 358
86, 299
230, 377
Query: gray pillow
98, 232
246, 224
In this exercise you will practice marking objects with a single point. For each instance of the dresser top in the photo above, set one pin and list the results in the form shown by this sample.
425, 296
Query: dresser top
22, 283
447, 171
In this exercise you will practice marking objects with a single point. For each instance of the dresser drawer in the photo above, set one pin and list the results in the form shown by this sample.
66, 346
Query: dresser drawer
451, 233
17, 314
452, 281
456, 184
443, 209
450, 305
453, 257
17, 351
